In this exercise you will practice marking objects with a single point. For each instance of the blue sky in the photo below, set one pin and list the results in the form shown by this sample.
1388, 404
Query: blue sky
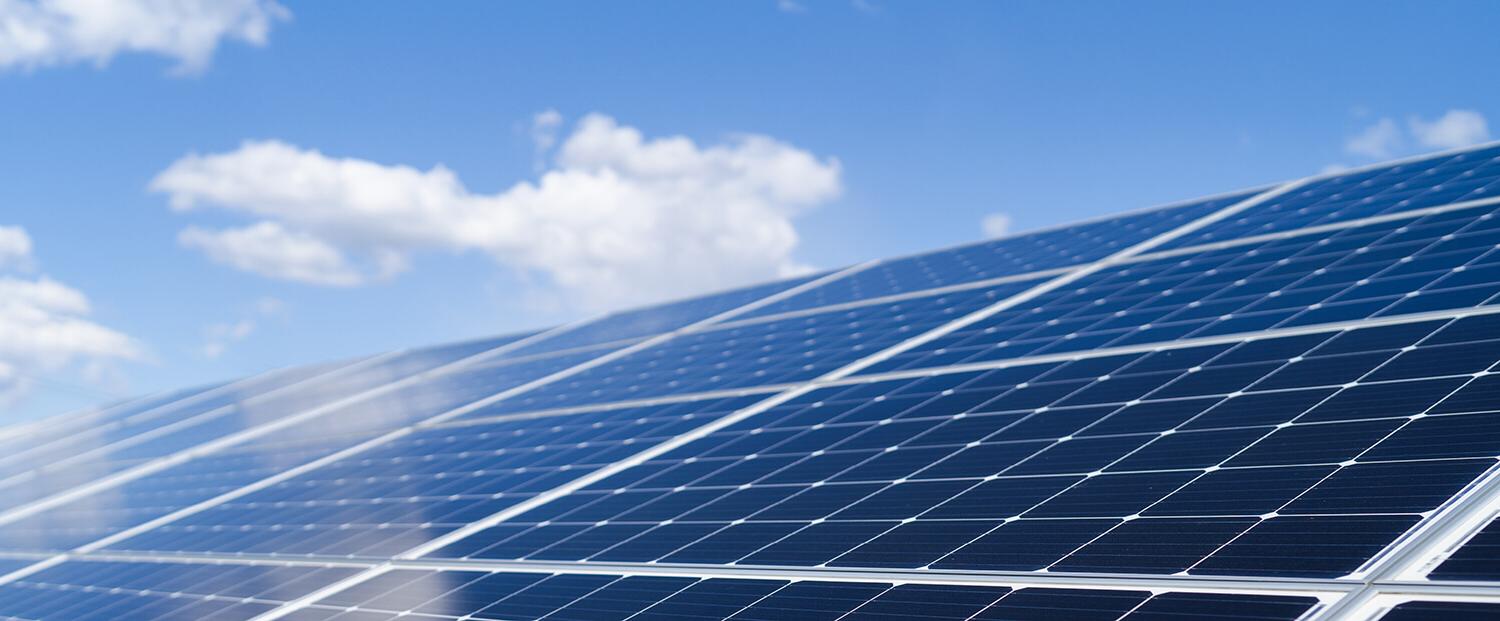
299, 147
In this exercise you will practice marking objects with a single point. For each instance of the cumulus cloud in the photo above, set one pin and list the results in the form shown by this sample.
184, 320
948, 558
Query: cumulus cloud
219, 337
44, 328
996, 224
1386, 138
43, 33
616, 218
1456, 128
15, 248
1377, 141
544, 128
269, 249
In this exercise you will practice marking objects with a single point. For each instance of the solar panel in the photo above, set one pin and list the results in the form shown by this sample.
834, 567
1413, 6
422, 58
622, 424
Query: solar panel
1272, 404
1009, 256
1424, 183
573, 597
1453, 611
158, 590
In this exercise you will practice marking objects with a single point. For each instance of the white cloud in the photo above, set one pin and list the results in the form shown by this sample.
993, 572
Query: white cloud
1377, 141
15, 248
996, 224
269, 249
1456, 128
220, 336
617, 218
544, 127
1386, 138
790, 6
43, 33
44, 329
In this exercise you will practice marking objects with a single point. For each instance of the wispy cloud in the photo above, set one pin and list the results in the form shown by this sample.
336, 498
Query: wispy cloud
1387, 138
15, 248
1380, 140
790, 6
1456, 128
45, 33
44, 325
616, 218
996, 224
219, 337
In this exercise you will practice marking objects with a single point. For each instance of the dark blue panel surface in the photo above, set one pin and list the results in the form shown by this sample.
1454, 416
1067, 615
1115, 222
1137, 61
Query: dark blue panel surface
204, 477
658, 319
1443, 611
1430, 182
387, 500
121, 591
1437, 262
1478, 559
761, 353
561, 597
1008, 256
1243, 458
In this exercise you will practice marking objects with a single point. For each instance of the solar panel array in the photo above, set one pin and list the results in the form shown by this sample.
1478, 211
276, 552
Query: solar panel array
1279, 403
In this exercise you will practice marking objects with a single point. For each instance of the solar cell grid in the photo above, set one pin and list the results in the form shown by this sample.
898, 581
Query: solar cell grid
1435, 262
112, 591
1230, 459
206, 476
50, 434
762, 353
1469, 175
574, 597
399, 495
1008, 256
88, 454
1477, 559
1448, 611
658, 319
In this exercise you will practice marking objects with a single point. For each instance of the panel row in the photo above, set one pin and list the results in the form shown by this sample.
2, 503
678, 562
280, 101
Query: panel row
112, 446
657, 319
1437, 262
125, 591
138, 500
383, 502
762, 353
1008, 256
1297, 456
413, 595
1390, 188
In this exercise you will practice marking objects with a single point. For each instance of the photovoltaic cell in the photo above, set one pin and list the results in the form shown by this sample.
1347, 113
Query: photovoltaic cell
658, 319
1436, 262
1405, 186
761, 353
1478, 559
385, 501
574, 597
1235, 459
116, 591
93, 516
1447, 611
1008, 256
174, 427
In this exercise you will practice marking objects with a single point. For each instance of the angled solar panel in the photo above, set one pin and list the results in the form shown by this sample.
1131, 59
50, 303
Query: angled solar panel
1279, 403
